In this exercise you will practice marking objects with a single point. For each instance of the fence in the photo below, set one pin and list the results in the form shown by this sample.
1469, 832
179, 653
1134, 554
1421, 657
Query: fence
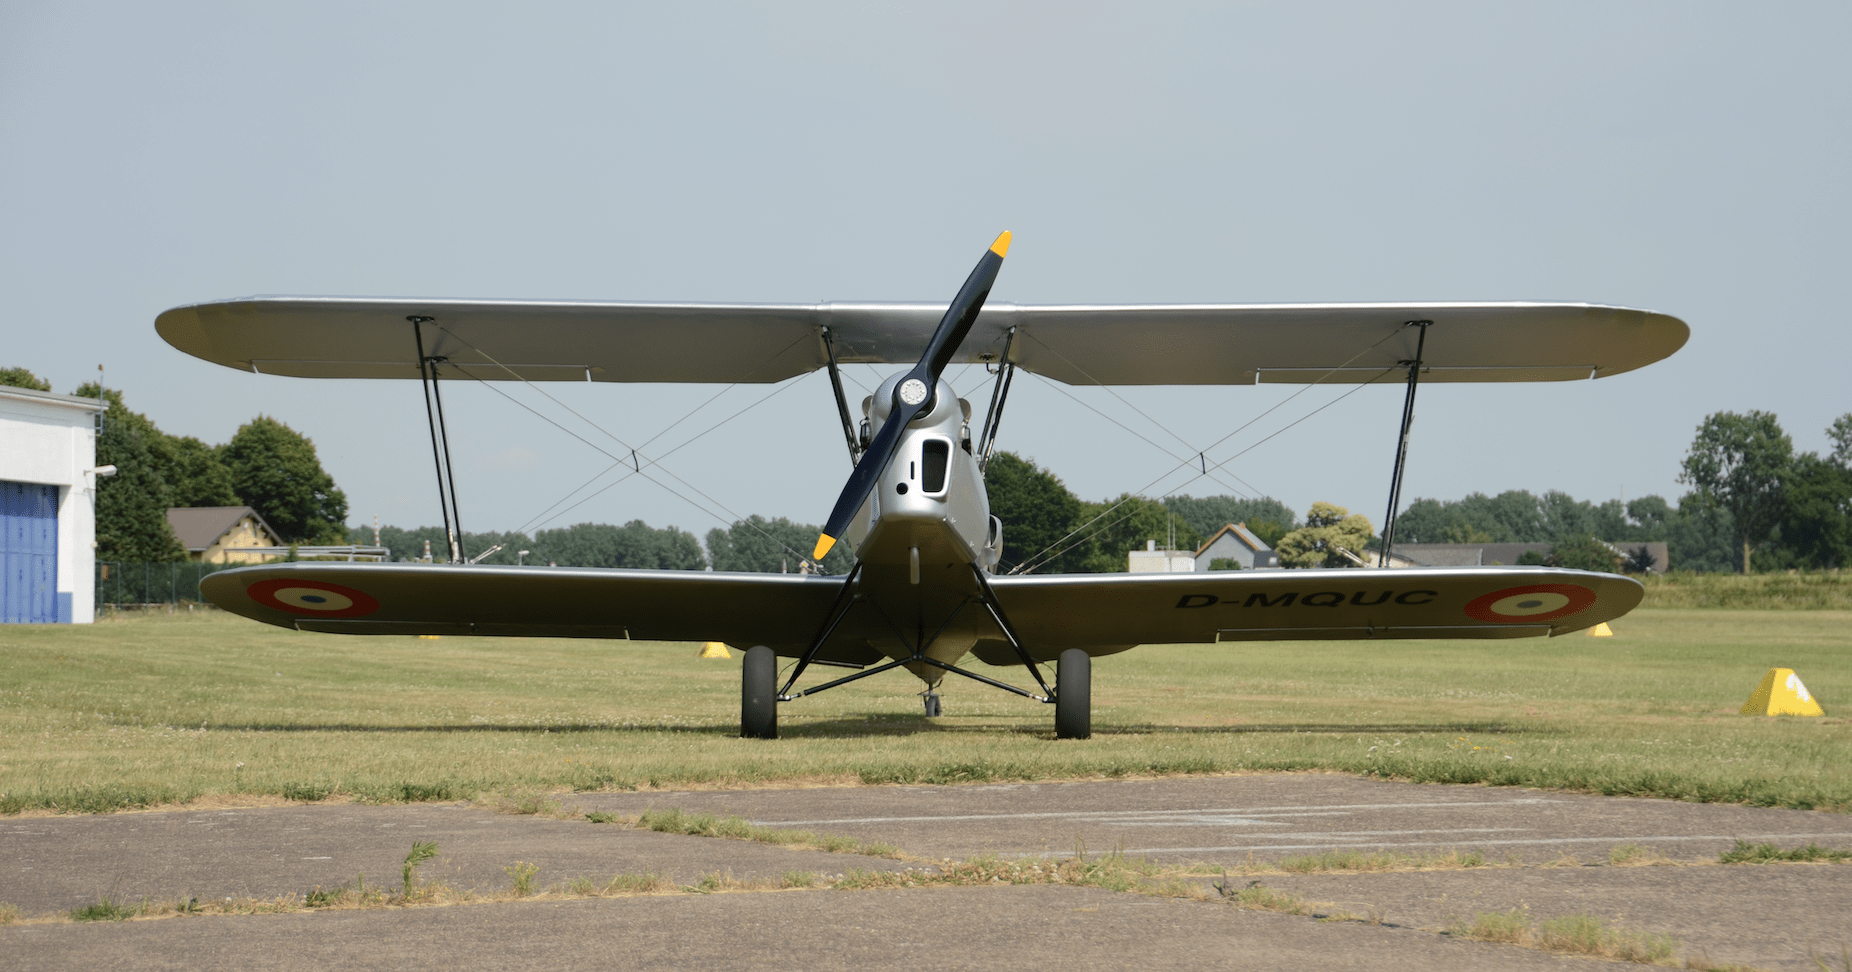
137, 584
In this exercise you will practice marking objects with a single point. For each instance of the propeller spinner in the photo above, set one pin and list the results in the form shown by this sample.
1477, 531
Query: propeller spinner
914, 393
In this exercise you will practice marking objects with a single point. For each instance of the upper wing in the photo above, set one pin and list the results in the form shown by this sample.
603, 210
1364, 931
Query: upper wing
1155, 344
781, 610
1089, 610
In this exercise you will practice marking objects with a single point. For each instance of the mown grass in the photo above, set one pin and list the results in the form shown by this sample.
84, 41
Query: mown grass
156, 709
1827, 590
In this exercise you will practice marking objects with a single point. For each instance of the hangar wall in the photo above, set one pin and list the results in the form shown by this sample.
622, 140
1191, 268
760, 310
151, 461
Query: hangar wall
47, 507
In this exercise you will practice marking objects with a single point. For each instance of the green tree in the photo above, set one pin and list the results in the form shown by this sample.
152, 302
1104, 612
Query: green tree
1122, 525
21, 378
1038, 514
1328, 529
131, 506
635, 544
1816, 506
1841, 434
1269, 532
195, 473
1208, 514
770, 546
1584, 552
275, 471
1736, 464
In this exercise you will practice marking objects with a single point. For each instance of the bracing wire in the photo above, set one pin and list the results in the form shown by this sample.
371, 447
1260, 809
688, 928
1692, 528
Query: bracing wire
634, 451
1040, 558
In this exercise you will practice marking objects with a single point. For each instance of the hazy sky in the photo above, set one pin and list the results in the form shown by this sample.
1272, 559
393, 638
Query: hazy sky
1683, 157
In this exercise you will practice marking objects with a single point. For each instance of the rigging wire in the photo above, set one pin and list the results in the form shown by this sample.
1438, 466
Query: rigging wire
1033, 562
1038, 559
634, 452
1181, 459
618, 460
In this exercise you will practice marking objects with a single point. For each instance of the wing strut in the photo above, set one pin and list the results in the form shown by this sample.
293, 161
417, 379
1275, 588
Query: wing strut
999, 393
1401, 448
842, 404
440, 440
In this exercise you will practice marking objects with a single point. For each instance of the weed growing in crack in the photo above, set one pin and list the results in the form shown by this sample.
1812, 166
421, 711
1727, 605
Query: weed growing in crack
422, 850
522, 874
1581, 934
1747, 853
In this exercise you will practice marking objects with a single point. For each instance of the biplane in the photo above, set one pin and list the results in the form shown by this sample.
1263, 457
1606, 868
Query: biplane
924, 591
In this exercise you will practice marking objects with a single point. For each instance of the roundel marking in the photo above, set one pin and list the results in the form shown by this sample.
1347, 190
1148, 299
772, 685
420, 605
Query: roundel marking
313, 598
1536, 602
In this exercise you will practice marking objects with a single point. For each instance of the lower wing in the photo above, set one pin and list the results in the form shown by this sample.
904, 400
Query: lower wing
1088, 610
1099, 612
781, 610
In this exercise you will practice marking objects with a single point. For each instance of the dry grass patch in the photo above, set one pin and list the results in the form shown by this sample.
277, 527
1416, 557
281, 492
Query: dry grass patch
1747, 853
1581, 934
677, 821
1356, 860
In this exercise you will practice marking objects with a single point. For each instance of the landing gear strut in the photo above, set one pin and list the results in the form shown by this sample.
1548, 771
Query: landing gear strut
1074, 695
759, 694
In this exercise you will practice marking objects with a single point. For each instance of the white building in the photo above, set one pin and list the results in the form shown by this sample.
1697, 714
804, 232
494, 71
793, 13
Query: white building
47, 507
1151, 560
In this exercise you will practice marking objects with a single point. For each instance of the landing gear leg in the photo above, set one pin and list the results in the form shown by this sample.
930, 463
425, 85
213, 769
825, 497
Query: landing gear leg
759, 694
1074, 695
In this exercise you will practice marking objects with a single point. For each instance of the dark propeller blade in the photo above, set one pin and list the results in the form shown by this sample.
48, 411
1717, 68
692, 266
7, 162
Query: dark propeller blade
914, 394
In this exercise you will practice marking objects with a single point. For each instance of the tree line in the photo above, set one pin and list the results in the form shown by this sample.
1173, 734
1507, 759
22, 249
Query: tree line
266, 465
1754, 504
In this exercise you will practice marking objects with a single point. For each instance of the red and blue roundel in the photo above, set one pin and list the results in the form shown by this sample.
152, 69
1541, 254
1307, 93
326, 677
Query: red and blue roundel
313, 598
1536, 602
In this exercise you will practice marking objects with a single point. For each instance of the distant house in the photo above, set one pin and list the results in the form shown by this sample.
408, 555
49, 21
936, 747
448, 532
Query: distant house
225, 534
1237, 543
1508, 554
1151, 560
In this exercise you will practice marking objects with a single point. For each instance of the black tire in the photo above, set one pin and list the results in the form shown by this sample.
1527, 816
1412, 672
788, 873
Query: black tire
759, 694
1074, 695
932, 705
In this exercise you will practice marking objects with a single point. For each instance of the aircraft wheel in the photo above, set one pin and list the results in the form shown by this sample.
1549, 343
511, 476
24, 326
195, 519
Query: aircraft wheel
759, 694
1074, 695
932, 704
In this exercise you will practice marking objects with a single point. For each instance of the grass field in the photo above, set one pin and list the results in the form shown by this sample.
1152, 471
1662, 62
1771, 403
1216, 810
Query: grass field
157, 708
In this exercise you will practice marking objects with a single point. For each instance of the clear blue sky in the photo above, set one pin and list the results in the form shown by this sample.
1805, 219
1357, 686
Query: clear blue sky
1685, 157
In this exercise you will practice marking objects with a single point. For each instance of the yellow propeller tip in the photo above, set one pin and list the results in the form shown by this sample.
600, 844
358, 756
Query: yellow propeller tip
824, 543
1002, 247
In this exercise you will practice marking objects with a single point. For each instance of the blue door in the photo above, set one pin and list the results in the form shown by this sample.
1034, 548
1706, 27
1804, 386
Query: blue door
28, 553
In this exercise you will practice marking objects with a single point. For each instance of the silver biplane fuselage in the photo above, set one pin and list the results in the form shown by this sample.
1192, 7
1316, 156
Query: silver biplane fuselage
923, 528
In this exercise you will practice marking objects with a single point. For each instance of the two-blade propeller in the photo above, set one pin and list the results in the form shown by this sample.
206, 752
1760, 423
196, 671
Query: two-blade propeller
914, 394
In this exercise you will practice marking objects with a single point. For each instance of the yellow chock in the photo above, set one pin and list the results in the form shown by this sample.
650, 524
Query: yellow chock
714, 649
1601, 631
1781, 693
429, 637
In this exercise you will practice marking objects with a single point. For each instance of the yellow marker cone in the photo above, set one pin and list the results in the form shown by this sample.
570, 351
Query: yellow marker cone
1601, 631
1781, 693
714, 649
